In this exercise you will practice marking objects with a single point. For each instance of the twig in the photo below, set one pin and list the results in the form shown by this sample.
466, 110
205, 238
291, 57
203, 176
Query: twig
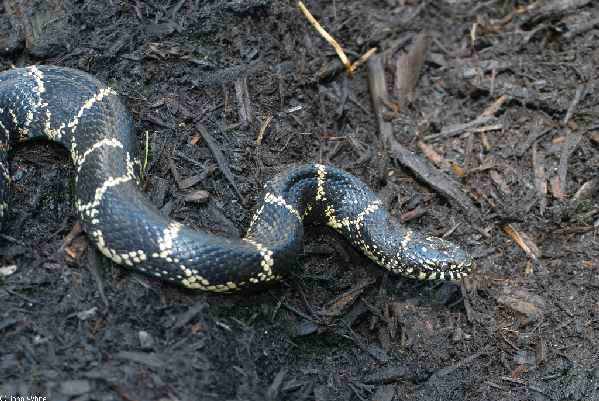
75, 231
261, 133
11, 239
483, 118
327, 37
540, 176
174, 171
449, 369
458, 128
220, 158
189, 159
435, 157
525, 242
349, 67
532, 137
586, 190
492, 109
363, 59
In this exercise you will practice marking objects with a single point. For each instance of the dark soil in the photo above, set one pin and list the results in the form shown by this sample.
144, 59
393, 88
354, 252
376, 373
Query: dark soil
523, 326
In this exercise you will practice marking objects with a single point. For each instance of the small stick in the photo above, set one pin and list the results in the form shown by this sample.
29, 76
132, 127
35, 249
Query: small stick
525, 242
483, 118
328, 38
540, 176
363, 59
574, 103
532, 137
586, 190
389, 104
468, 150
174, 171
457, 129
220, 158
451, 230
261, 133
489, 111
75, 231
486, 128
349, 67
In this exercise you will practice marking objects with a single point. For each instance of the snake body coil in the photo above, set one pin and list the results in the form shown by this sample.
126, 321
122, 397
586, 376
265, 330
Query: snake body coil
78, 111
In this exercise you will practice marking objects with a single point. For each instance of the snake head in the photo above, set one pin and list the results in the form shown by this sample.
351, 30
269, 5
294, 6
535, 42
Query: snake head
431, 258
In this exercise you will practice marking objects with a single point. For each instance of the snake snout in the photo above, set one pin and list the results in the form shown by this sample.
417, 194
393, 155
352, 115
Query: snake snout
437, 259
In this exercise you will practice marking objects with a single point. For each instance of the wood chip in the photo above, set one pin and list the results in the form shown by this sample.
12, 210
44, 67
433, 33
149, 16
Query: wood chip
571, 142
174, 171
408, 68
191, 181
187, 316
435, 157
518, 371
146, 341
195, 139
341, 302
575, 100
197, 196
496, 177
483, 118
525, 242
556, 187
540, 174
84, 315
7, 270
585, 191
457, 129
363, 59
532, 137
493, 108
272, 393
77, 247
412, 214
243, 100
523, 303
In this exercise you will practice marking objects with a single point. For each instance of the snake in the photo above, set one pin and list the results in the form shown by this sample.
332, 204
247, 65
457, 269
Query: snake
78, 111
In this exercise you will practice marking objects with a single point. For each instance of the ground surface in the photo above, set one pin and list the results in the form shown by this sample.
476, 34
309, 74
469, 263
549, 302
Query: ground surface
524, 326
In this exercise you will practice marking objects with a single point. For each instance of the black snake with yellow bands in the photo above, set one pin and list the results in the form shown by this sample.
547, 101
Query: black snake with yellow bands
79, 112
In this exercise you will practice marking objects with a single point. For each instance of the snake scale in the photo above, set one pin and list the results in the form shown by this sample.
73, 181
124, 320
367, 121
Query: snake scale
88, 118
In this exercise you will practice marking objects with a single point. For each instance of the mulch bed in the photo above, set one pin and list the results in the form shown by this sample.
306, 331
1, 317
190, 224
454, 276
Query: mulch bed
477, 121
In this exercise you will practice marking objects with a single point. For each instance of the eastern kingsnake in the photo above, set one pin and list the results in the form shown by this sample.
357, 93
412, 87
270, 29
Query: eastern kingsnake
79, 112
